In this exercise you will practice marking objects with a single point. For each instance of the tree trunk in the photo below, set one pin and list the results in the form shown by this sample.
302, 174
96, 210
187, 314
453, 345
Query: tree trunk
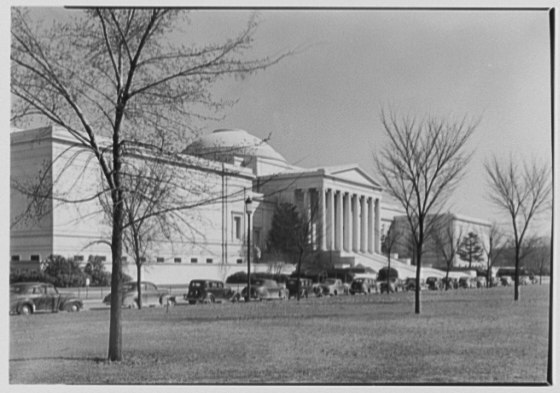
488, 275
139, 282
417, 289
388, 273
115, 327
447, 276
516, 283
298, 274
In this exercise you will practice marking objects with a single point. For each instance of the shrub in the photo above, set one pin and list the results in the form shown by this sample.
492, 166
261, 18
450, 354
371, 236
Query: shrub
64, 272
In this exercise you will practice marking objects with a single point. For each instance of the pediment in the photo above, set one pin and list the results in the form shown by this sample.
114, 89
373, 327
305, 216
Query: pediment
353, 174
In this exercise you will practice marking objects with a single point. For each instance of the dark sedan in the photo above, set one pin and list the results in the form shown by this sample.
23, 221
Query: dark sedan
209, 291
30, 297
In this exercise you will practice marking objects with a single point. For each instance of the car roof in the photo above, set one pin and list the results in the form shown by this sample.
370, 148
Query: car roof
30, 283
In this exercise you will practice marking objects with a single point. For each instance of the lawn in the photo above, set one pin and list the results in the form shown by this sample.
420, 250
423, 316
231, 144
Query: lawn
475, 336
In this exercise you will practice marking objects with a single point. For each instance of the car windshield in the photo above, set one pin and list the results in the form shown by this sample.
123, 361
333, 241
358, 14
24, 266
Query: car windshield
258, 282
330, 281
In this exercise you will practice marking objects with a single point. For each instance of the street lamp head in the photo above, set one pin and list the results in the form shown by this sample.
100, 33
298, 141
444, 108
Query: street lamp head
249, 205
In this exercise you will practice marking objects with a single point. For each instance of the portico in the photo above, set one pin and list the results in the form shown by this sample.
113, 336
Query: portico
342, 220
342, 204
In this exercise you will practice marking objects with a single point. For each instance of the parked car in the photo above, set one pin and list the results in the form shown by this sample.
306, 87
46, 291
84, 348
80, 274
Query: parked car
525, 280
265, 289
481, 282
363, 285
467, 282
410, 284
434, 283
209, 291
394, 285
30, 297
450, 282
506, 281
388, 280
333, 287
151, 295
305, 287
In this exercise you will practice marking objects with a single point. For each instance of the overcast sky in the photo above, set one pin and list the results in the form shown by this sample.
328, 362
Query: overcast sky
321, 107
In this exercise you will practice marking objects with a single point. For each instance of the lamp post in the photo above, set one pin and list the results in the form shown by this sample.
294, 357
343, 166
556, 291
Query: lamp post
249, 210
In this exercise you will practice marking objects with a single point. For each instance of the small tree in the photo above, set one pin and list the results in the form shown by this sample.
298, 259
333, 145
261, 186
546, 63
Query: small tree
290, 235
542, 258
420, 166
521, 193
471, 249
283, 236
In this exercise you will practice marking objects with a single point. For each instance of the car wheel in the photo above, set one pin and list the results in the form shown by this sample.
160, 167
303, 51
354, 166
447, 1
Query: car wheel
73, 308
25, 309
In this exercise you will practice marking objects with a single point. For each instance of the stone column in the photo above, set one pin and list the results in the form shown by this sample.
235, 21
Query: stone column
305, 212
330, 220
355, 224
346, 217
321, 225
370, 235
338, 226
377, 234
363, 222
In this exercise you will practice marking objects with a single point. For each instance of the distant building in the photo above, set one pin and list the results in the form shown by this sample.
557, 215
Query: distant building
451, 229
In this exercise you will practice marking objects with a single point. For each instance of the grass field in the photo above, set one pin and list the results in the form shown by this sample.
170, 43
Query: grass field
461, 336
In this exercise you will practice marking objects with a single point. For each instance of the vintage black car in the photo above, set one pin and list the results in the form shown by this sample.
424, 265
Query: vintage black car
434, 283
30, 297
151, 295
209, 291
305, 287
363, 285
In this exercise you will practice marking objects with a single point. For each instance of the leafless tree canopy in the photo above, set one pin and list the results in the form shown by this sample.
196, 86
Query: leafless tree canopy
420, 166
522, 191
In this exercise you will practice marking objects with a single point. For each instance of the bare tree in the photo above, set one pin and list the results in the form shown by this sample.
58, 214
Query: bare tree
496, 244
522, 193
447, 242
421, 164
115, 73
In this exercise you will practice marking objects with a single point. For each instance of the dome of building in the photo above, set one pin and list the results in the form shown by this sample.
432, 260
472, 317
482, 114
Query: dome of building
223, 144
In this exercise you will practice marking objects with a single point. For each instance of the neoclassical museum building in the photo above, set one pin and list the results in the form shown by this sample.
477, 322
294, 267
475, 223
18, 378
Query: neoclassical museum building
345, 204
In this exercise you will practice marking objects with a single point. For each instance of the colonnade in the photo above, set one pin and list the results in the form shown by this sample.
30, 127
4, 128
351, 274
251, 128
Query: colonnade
342, 220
